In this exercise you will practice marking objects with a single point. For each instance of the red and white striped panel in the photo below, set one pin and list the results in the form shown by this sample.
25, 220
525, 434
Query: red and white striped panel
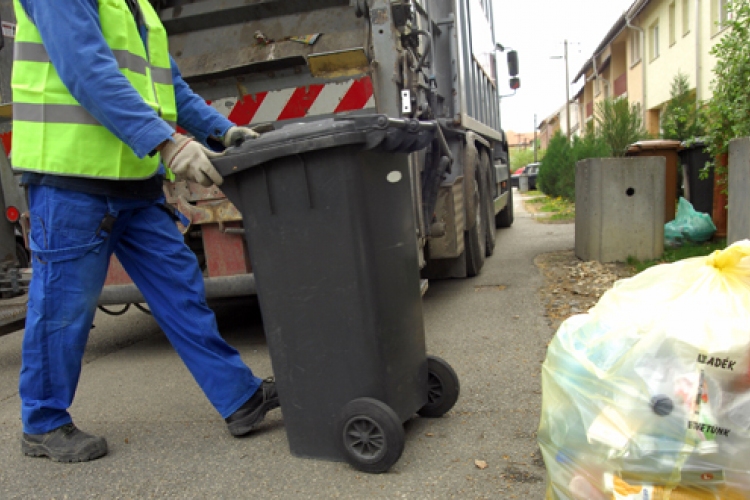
6, 139
288, 104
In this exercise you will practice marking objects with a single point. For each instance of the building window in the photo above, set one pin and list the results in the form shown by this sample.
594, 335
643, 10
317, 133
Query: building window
685, 17
719, 15
654, 40
635, 47
672, 24
723, 13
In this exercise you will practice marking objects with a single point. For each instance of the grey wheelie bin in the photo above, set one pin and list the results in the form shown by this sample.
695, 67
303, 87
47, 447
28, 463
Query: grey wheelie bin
699, 192
329, 224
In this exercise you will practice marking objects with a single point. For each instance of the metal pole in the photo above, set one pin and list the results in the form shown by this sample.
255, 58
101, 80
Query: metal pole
535, 138
567, 92
698, 93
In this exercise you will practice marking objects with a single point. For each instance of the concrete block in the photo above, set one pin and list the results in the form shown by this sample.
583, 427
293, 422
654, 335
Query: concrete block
738, 213
620, 208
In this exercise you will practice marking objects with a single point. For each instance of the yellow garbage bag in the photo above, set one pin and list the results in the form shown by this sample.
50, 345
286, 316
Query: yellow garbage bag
648, 394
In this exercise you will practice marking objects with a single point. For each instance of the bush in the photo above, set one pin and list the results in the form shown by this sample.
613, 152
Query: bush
557, 174
555, 165
682, 119
522, 157
619, 124
729, 106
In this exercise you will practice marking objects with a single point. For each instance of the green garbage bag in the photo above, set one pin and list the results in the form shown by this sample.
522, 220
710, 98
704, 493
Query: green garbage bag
688, 226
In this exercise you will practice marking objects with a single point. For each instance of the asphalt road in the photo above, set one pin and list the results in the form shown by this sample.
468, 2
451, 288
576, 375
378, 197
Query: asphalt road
166, 441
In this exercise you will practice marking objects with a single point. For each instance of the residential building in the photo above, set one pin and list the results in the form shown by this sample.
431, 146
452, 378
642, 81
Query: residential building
547, 129
558, 121
646, 48
520, 140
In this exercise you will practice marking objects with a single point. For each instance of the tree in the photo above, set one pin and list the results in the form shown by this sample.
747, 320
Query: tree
619, 124
729, 107
522, 157
555, 165
681, 119
557, 174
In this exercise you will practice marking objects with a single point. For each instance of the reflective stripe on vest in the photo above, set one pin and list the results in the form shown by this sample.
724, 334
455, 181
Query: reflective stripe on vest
53, 133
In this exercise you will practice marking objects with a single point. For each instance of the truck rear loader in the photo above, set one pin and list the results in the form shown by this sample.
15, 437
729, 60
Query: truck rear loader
269, 63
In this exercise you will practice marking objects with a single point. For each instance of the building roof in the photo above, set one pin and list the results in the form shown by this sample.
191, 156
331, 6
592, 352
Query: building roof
519, 138
617, 28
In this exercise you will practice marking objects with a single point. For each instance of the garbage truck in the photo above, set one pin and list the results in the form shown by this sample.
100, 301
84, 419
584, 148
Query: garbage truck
14, 256
272, 63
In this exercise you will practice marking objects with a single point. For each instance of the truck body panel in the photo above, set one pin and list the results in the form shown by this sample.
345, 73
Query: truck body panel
267, 63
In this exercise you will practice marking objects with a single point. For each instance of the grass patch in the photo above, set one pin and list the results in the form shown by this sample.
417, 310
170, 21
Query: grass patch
533, 192
554, 209
563, 216
684, 252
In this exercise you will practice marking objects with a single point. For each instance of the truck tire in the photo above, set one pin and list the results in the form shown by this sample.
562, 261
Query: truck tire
475, 239
488, 203
505, 217
22, 255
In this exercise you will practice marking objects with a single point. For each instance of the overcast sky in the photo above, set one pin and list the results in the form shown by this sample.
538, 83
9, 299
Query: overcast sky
537, 29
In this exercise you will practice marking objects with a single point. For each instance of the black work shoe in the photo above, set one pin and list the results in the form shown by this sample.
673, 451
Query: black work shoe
251, 413
64, 444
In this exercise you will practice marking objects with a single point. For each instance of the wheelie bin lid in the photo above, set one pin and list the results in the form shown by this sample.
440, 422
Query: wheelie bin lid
371, 131
697, 142
654, 145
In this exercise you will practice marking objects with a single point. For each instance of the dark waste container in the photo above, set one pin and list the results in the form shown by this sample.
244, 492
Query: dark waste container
668, 149
329, 223
699, 192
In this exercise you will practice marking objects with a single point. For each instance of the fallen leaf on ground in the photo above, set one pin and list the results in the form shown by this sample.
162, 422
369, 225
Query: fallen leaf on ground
481, 464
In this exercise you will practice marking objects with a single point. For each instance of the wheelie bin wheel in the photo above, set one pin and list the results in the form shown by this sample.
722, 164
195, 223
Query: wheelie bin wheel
442, 388
372, 435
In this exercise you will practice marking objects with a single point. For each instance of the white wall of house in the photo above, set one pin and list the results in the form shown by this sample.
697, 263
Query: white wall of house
669, 49
671, 29
710, 35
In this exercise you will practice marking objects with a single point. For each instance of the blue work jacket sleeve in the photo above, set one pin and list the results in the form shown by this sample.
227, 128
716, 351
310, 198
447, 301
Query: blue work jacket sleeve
72, 35
194, 114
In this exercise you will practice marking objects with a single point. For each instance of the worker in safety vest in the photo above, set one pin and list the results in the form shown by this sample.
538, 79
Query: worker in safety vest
96, 99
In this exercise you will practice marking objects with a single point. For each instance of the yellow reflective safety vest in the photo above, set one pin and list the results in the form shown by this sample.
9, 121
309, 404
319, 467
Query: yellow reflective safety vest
53, 133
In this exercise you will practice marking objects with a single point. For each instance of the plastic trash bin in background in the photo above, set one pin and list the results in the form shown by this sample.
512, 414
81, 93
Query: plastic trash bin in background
668, 149
330, 227
523, 183
699, 192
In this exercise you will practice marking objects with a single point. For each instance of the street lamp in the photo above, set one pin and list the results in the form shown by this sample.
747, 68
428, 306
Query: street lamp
535, 160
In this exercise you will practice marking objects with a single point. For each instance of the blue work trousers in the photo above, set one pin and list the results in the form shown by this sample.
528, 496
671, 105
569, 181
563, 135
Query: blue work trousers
71, 249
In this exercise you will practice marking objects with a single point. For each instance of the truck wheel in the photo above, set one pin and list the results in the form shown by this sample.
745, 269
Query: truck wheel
505, 217
488, 204
22, 255
372, 436
475, 239
442, 388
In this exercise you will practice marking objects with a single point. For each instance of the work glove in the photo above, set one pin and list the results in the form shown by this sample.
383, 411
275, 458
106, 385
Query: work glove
237, 135
189, 160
